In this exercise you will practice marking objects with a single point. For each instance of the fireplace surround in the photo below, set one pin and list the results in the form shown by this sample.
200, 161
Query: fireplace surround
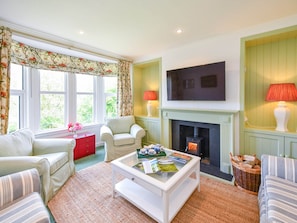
196, 138
223, 118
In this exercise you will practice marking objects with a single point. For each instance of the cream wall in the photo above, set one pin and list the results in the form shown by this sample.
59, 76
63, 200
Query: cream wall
221, 48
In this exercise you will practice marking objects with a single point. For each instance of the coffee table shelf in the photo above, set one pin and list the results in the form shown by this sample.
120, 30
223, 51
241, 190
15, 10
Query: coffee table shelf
160, 196
150, 203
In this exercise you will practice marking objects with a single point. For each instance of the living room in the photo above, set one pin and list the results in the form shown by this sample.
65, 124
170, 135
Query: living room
229, 44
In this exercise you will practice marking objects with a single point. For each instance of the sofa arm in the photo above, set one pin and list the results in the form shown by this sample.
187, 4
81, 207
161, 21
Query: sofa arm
16, 185
106, 134
137, 131
278, 166
55, 145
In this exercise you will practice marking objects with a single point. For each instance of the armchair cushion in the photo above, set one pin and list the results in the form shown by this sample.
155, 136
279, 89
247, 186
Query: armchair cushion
56, 160
121, 125
123, 139
18, 143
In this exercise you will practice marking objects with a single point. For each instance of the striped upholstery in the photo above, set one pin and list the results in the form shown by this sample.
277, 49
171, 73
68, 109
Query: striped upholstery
27, 209
285, 168
277, 195
281, 196
19, 198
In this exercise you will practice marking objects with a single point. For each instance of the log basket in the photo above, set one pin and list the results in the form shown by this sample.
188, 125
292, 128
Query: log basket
247, 179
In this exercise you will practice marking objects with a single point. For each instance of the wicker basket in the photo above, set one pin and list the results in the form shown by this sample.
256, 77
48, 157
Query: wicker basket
247, 179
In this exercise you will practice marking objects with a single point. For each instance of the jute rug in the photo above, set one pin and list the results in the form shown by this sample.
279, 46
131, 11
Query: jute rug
87, 197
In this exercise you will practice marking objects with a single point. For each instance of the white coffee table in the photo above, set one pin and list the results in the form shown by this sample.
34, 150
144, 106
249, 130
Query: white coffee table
160, 196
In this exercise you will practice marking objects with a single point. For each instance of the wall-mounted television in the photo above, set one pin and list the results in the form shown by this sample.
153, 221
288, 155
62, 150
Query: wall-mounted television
203, 82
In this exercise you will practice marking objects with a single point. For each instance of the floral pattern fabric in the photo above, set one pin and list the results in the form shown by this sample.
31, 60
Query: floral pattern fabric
125, 106
5, 52
41, 59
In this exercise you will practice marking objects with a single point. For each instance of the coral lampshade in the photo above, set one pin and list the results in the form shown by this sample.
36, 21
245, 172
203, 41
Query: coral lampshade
148, 96
282, 92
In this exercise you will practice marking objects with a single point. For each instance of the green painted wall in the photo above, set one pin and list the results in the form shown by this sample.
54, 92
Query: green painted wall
269, 59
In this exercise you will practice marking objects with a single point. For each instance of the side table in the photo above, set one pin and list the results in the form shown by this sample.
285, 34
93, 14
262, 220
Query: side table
85, 145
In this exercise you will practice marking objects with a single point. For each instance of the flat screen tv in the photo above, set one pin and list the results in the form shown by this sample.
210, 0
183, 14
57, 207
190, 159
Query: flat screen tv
203, 82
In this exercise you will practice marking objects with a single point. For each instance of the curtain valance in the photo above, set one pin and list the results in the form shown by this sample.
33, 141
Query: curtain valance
41, 59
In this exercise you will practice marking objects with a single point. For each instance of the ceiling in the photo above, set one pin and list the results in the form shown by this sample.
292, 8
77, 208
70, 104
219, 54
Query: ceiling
135, 28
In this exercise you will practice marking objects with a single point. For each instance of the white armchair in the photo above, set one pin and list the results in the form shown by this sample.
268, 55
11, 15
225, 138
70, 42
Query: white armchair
53, 158
121, 136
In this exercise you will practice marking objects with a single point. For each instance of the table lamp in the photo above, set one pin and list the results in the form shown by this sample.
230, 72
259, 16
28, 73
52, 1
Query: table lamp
148, 96
282, 92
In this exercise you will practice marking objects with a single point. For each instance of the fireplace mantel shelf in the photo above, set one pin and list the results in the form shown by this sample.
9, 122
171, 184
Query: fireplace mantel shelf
201, 110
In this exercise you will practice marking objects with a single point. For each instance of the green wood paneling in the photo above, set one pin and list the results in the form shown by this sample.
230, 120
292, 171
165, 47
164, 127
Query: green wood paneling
145, 77
269, 62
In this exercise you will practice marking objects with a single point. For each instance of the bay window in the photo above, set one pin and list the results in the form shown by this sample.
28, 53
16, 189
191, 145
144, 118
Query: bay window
45, 100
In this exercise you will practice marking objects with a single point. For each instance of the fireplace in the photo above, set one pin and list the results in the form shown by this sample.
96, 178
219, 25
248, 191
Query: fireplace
223, 118
200, 139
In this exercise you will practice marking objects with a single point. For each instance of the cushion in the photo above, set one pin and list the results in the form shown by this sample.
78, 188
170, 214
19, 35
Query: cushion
121, 125
281, 198
27, 209
123, 139
16, 185
18, 143
285, 168
56, 160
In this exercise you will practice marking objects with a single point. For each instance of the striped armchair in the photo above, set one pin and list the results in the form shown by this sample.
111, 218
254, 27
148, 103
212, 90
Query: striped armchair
277, 195
20, 199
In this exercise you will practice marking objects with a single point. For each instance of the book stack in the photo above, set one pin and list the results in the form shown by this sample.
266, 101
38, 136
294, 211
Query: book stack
180, 158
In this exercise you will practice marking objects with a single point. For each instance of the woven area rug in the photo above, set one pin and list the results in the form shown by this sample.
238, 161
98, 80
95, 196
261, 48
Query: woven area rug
87, 197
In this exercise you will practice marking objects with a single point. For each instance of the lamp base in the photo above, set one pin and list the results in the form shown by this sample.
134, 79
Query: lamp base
149, 109
281, 114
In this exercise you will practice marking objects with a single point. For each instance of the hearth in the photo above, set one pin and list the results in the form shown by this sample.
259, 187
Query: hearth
200, 139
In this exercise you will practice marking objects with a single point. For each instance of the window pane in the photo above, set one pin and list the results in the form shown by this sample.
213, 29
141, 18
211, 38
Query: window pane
111, 106
16, 77
52, 80
85, 108
84, 83
52, 111
110, 84
14, 113
110, 92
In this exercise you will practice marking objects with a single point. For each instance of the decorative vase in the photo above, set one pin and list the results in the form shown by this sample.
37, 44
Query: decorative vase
74, 134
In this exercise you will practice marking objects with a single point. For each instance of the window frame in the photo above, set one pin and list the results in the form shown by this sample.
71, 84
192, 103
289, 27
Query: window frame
30, 104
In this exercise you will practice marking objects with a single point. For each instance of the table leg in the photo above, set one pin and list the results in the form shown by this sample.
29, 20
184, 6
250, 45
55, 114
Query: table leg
113, 182
165, 201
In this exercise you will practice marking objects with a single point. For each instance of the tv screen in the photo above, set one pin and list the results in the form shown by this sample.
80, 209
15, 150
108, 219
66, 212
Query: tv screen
203, 82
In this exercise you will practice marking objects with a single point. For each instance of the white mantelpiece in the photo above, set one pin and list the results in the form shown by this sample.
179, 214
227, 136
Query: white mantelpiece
222, 117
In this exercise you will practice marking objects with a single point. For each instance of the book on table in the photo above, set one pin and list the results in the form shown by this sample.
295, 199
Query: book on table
180, 158
155, 166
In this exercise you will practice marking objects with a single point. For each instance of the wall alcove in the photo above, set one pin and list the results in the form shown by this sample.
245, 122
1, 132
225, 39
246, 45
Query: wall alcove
267, 58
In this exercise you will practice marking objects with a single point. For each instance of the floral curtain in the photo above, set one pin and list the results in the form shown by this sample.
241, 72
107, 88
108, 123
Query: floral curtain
41, 59
125, 106
5, 50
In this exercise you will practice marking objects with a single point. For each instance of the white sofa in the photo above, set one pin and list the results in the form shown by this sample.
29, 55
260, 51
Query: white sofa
277, 195
53, 158
121, 136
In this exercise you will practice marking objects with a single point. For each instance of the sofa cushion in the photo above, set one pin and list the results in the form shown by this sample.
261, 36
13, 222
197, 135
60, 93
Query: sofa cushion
121, 125
123, 139
56, 160
281, 199
285, 168
27, 209
18, 143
